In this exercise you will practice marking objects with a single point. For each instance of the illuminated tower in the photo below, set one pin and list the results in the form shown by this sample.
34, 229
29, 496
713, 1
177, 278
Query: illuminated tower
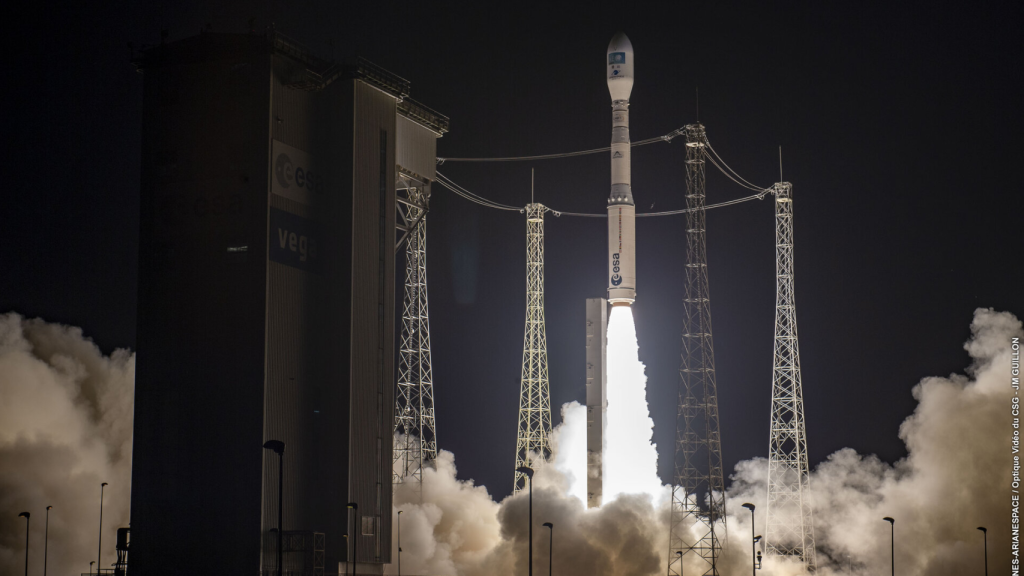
535, 392
790, 525
415, 435
698, 492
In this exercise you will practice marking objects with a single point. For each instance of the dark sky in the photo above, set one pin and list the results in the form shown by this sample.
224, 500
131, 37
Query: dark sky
901, 133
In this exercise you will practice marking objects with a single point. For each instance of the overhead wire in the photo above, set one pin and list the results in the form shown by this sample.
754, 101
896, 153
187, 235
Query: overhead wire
735, 177
451, 185
715, 159
758, 196
666, 138
476, 198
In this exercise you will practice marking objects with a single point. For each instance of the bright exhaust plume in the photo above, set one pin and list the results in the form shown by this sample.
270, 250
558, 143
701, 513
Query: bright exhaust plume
630, 462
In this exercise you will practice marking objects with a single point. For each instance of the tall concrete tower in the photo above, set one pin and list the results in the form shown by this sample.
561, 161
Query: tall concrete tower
266, 307
790, 524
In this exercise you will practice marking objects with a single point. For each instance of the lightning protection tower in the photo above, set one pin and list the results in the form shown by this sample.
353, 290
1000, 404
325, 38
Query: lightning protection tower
415, 435
535, 392
790, 526
698, 494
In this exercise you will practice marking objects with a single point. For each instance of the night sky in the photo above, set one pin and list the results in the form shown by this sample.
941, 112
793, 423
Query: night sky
901, 133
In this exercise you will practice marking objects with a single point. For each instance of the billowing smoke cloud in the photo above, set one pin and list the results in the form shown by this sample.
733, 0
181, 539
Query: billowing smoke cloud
65, 427
956, 477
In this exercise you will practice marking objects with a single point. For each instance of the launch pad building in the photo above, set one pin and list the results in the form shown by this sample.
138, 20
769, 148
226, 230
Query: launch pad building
266, 305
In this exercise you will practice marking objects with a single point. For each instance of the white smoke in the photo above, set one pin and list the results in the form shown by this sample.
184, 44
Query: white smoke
65, 427
956, 477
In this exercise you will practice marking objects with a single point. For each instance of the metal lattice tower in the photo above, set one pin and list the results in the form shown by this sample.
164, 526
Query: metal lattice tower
698, 492
415, 435
535, 392
790, 524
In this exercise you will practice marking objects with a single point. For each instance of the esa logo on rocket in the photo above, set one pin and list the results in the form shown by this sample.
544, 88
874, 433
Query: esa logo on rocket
616, 279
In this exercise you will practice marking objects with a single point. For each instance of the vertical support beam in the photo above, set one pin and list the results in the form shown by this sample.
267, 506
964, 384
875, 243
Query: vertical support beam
790, 523
697, 523
534, 392
415, 434
597, 395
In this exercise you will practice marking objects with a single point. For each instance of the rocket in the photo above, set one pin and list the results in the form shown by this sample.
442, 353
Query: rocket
621, 210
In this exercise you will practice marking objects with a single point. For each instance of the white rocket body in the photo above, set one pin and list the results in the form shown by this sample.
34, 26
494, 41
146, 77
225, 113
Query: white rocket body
621, 210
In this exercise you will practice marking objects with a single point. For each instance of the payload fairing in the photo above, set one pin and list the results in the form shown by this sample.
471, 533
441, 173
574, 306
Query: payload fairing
621, 210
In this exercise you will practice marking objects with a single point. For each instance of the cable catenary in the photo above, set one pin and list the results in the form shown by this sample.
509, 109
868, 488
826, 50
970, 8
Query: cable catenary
666, 138
477, 199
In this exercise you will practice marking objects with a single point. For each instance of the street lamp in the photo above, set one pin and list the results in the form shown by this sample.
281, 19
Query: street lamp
892, 541
756, 540
91, 562
355, 541
529, 474
679, 558
46, 538
278, 447
551, 544
399, 543
753, 541
984, 531
345, 536
27, 518
99, 547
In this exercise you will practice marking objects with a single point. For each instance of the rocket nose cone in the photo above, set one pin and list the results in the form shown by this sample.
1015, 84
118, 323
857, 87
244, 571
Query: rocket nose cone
620, 43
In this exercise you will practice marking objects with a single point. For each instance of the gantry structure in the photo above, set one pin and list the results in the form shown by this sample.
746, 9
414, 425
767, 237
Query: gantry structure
790, 522
415, 432
697, 526
535, 391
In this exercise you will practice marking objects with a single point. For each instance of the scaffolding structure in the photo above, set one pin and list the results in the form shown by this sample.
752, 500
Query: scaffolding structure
790, 524
698, 493
415, 432
535, 392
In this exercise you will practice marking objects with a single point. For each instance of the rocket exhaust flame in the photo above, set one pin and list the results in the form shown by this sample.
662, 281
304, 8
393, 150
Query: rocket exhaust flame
630, 458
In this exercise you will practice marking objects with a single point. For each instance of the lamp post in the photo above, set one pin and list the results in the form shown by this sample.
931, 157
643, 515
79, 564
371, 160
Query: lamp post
399, 543
529, 474
355, 541
27, 518
753, 545
758, 555
278, 447
99, 547
46, 538
551, 544
679, 557
984, 531
345, 536
892, 541
91, 562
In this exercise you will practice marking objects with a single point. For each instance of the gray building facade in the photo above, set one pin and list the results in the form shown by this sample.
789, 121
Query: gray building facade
266, 308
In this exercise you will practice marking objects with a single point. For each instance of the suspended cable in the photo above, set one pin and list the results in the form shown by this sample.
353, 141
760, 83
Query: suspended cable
735, 177
666, 138
730, 176
758, 196
449, 184
459, 190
